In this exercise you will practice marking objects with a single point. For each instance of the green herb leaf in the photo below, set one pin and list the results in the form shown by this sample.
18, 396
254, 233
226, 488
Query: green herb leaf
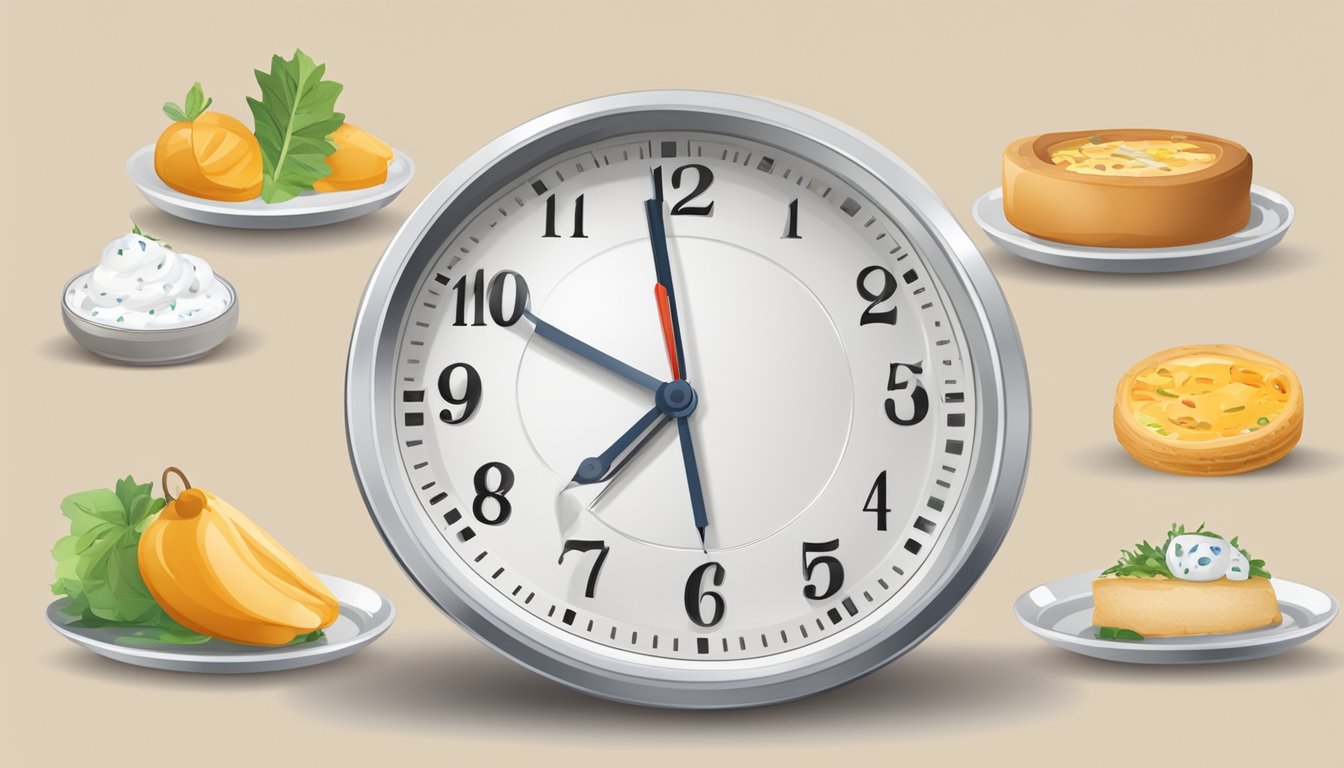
1148, 561
194, 105
293, 118
1118, 633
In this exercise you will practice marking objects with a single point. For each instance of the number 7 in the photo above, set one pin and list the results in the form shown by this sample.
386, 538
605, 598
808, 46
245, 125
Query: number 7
587, 545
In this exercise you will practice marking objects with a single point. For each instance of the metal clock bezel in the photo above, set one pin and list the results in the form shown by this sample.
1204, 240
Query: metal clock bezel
1000, 447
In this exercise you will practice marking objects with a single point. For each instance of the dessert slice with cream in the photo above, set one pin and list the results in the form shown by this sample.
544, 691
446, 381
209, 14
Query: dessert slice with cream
1196, 583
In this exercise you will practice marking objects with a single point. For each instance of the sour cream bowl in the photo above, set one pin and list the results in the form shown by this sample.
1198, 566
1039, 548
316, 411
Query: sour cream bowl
151, 346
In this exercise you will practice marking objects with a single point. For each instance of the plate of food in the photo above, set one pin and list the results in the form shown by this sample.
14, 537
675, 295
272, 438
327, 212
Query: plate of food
1199, 598
1131, 200
301, 165
191, 584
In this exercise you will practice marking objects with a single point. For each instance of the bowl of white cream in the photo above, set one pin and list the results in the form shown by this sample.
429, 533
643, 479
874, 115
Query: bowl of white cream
147, 304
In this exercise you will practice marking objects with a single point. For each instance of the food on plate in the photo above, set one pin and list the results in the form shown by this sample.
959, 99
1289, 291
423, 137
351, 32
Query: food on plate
1196, 583
1127, 188
299, 142
1211, 409
218, 573
207, 154
141, 283
131, 562
360, 160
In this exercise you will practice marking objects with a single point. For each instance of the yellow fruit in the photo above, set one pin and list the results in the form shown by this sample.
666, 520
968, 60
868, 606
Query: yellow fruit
216, 572
360, 160
214, 156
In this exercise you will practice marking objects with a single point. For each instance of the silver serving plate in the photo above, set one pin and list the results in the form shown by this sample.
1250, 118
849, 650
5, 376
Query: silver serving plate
1060, 612
1271, 215
365, 615
310, 209
165, 346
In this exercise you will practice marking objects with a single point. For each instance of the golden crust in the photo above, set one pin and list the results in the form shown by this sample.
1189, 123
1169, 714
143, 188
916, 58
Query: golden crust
1051, 202
1224, 455
1160, 607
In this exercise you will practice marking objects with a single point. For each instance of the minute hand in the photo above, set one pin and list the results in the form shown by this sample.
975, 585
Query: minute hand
662, 268
592, 354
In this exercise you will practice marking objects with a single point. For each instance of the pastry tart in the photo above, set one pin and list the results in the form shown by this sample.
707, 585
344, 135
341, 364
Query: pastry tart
1127, 188
1208, 410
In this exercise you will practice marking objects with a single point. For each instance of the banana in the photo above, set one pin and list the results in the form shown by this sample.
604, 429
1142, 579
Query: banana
216, 572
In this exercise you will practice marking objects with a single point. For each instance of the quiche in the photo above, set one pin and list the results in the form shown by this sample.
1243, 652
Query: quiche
1127, 187
1196, 583
1208, 410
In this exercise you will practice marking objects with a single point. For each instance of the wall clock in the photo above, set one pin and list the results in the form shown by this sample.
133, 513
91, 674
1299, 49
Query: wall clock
688, 399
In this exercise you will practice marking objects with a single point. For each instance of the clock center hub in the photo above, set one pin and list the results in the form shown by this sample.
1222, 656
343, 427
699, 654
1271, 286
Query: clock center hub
677, 399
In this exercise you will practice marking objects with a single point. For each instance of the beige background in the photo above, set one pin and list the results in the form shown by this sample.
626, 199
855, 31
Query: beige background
260, 421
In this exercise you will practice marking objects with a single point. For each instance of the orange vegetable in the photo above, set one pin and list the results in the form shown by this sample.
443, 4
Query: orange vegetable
208, 154
360, 160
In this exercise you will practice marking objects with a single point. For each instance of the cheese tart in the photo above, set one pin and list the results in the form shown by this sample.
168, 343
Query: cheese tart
1208, 410
1196, 583
1127, 187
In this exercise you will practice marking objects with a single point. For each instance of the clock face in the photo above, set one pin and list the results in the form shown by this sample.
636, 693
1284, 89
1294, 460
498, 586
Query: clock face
747, 450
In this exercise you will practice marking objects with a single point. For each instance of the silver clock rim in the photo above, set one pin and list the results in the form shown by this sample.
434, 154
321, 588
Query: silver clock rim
1001, 446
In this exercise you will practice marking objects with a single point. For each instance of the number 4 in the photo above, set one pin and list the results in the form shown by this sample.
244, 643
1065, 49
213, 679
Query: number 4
877, 500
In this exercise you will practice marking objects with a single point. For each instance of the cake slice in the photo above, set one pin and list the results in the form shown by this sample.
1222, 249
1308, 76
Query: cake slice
1166, 607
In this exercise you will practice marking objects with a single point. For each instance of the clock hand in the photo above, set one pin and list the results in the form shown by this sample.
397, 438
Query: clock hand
592, 354
615, 473
595, 469
693, 479
676, 353
667, 299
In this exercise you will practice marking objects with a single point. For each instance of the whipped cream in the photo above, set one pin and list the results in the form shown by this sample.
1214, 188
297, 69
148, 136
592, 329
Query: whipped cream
142, 284
1196, 557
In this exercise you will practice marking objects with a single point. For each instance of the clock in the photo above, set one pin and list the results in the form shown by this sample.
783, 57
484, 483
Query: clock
688, 399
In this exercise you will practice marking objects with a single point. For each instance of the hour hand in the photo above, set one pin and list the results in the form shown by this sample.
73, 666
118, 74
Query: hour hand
592, 354
595, 469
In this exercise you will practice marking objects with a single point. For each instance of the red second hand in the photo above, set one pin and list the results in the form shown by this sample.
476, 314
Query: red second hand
665, 316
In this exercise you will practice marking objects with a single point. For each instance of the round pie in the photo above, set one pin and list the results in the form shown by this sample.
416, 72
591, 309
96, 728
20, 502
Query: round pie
1127, 188
1208, 410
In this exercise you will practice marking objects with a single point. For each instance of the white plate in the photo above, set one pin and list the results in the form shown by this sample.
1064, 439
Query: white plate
310, 209
1271, 215
365, 615
1060, 612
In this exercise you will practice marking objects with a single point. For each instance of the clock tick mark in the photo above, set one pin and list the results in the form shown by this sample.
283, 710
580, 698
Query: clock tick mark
942, 483
849, 607
925, 524
551, 612
954, 397
956, 419
936, 504
883, 583
451, 516
413, 396
850, 206
466, 534
428, 485
955, 446
702, 644
910, 276
497, 572
517, 589
898, 570
765, 165
913, 546
568, 617
415, 419
529, 597
421, 465
414, 443
834, 615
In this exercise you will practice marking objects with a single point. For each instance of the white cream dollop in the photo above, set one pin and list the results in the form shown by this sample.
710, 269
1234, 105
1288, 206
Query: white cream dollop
1196, 557
143, 284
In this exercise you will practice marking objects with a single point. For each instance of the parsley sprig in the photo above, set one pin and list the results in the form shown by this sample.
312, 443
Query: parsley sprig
1147, 561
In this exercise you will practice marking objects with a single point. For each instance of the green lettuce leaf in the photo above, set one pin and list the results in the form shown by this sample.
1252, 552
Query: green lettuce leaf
97, 565
292, 120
